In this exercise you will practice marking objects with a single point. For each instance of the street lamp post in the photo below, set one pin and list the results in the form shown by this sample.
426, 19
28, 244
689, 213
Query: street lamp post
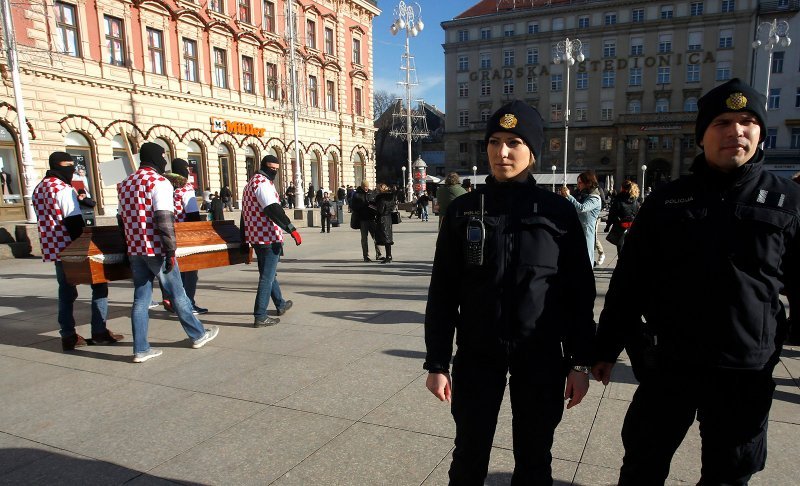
553, 168
405, 182
775, 33
644, 182
474, 175
569, 51
407, 19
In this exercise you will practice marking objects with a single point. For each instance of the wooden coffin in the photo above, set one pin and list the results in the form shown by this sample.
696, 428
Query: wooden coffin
98, 256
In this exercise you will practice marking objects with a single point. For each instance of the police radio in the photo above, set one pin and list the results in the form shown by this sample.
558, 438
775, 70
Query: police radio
476, 234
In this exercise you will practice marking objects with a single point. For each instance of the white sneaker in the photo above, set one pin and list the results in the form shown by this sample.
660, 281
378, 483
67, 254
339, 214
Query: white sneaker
150, 353
209, 336
601, 259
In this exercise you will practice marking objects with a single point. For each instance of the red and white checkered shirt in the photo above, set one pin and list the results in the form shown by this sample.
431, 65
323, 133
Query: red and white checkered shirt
181, 197
54, 200
141, 194
258, 228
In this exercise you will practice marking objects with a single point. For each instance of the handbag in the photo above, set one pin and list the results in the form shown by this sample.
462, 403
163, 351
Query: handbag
355, 221
396, 219
615, 235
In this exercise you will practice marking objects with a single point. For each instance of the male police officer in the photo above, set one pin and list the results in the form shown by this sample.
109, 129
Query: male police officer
704, 331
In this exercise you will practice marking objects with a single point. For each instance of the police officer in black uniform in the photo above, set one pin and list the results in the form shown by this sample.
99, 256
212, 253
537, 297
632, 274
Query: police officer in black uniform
704, 330
512, 281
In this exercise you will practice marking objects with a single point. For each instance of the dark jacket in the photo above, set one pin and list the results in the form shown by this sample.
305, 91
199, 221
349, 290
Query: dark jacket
216, 209
325, 208
732, 246
623, 209
535, 289
385, 205
363, 204
446, 194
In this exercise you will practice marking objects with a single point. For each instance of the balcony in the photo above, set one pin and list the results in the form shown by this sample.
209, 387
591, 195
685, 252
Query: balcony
774, 7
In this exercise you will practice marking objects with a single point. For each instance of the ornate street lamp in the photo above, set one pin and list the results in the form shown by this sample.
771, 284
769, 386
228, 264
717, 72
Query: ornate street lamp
553, 168
404, 180
644, 181
474, 175
775, 33
568, 51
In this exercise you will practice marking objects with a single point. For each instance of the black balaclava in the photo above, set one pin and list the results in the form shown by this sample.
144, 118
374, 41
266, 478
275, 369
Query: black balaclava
270, 173
152, 155
64, 173
180, 167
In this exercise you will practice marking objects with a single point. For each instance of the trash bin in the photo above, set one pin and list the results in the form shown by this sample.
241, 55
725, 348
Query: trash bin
337, 216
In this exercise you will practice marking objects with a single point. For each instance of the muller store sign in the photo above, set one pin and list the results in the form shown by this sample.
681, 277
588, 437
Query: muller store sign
219, 125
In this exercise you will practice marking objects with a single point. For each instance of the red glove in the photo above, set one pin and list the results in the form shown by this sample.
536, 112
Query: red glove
169, 262
296, 237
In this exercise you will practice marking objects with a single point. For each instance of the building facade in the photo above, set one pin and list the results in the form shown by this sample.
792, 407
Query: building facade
632, 100
210, 82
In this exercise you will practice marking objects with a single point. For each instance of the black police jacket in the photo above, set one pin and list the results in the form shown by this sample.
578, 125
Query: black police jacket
698, 281
535, 287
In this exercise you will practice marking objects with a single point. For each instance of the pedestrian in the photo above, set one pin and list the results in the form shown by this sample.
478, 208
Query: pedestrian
349, 197
385, 205
318, 197
216, 208
290, 191
467, 185
59, 220
623, 210
364, 214
310, 196
227, 197
452, 189
325, 212
588, 203
341, 195
263, 219
147, 211
511, 279
704, 329
206, 199
422, 205
186, 210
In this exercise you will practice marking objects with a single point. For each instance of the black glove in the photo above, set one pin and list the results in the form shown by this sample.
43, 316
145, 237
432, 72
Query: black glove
169, 261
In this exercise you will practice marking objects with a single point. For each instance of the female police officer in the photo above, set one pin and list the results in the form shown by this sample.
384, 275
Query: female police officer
511, 276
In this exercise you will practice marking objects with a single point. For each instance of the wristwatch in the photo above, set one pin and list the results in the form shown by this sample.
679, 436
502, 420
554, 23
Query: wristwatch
582, 369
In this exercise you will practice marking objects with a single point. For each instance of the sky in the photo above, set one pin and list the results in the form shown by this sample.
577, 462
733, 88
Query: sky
426, 48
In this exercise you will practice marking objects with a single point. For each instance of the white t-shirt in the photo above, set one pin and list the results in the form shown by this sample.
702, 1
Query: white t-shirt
162, 196
266, 195
67, 201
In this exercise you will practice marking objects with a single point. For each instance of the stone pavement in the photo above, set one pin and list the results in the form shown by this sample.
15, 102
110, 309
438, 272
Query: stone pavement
332, 395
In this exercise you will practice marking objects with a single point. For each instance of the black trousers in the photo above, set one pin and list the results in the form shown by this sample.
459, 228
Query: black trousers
326, 223
537, 404
732, 407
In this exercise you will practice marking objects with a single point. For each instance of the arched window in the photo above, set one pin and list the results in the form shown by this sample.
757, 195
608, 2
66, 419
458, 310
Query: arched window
690, 104
251, 160
333, 172
120, 152
634, 106
197, 167
10, 184
85, 167
359, 169
662, 105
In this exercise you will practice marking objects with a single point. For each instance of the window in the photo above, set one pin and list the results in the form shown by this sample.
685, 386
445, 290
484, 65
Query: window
220, 68
663, 75
533, 55
463, 90
581, 111
690, 104
330, 96
486, 87
67, 26
357, 102
508, 57
463, 63
556, 112
313, 92
662, 105
272, 80
637, 15
508, 86
635, 77
556, 82
607, 111
692, 73
217, 6
688, 142
533, 27
666, 143
244, 11
725, 38
795, 138
155, 48
356, 51
532, 85
486, 60
610, 48
777, 62
580, 143
190, 60
247, 74
463, 35
311, 34
329, 41
664, 43
463, 118
606, 143
582, 80
114, 41
486, 114
609, 79
774, 99
695, 41
486, 33
723, 71
610, 18
583, 22
463, 147
269, 16
637, 46
634, 106
771, 139
695, 9
666, 12
558, 23
728, 6
508, 30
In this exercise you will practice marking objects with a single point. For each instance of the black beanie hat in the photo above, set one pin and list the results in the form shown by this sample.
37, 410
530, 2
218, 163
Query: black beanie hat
151, 152
733, 96
57, 157
269, 159
180, 167
522, 120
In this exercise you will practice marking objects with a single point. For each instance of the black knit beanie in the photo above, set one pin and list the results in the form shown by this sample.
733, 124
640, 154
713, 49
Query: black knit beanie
733, 96
522, 120
180, 167
57, 157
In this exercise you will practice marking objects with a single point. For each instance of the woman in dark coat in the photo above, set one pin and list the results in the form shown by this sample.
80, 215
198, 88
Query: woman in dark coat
386, 205
623, 210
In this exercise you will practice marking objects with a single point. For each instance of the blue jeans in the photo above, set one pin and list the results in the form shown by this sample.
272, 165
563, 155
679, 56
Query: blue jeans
424, 213
268, 258
144, 269
189, 280
66, 299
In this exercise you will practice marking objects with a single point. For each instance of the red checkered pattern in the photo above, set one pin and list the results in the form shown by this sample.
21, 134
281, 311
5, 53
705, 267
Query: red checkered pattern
180, 211
52, 233
258, 228
136, 209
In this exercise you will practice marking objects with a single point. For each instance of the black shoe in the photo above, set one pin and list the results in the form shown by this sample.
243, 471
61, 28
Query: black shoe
387, 260
107, 337
322, 231
267, 321
286, 307
366, 259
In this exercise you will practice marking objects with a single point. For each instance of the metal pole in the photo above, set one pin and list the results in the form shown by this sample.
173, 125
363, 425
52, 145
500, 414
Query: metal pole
566, 116
408, 114
769, 72
13, 65
299, 195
